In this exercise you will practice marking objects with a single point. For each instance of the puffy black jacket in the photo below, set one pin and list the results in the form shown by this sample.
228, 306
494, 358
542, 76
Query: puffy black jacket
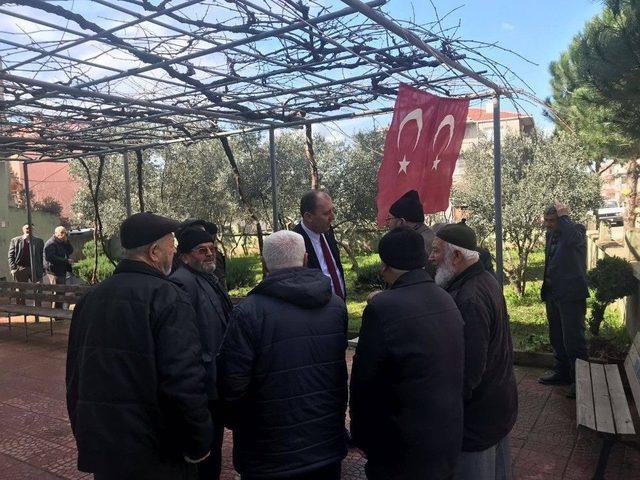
135, 380
213, 308
282, 369
406, 382
490, 392
56, 257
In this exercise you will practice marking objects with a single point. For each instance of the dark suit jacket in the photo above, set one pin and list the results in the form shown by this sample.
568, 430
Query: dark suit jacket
565, 272
312, 258
16, 251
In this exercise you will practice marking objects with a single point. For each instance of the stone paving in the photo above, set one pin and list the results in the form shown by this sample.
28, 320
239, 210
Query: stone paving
36, 441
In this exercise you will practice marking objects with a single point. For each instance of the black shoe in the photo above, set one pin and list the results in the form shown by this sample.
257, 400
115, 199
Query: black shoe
571, 393
553, 377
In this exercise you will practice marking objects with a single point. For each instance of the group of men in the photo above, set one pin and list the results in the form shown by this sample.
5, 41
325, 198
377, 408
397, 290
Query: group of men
159, 360
30, 258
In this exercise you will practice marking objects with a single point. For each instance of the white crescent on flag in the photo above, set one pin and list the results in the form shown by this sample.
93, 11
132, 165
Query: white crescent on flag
448, 120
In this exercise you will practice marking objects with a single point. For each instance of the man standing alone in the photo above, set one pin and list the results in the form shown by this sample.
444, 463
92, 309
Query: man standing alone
316, 209
564, 292
490, 393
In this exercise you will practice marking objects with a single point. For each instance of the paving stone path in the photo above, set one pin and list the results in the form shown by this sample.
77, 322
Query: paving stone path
36, 440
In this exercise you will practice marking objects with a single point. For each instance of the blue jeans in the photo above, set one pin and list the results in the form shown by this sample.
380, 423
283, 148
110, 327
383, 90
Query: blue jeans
494, 463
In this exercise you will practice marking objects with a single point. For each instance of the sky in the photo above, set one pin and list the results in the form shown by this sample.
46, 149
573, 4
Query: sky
539, 30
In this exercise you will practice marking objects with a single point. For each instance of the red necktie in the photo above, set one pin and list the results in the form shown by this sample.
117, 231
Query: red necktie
331, 266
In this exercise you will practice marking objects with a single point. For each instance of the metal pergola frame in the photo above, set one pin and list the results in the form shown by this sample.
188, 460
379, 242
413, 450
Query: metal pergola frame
188, 74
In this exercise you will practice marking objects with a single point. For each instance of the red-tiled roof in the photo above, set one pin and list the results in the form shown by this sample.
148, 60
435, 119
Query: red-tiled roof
481, 115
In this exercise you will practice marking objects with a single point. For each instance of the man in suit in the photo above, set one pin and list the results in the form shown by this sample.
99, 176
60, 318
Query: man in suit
564, 291
20, 259
316, 209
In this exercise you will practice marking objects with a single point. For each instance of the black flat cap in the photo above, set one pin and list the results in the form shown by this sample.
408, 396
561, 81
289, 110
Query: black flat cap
408, 207
209, 227
145, 228
192, 237
403, 248
458, 234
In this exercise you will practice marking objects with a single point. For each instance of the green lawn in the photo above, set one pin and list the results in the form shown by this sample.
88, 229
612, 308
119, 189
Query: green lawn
527, 313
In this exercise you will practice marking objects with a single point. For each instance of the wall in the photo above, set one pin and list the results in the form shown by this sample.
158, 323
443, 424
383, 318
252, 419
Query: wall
43, 226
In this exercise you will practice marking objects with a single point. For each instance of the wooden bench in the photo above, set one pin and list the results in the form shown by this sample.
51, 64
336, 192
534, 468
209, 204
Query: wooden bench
601, 402
14, 294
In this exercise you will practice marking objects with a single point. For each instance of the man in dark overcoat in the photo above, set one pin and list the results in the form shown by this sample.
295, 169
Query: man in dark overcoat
565, 292
197, 254
135, 380
490, 393
406, 381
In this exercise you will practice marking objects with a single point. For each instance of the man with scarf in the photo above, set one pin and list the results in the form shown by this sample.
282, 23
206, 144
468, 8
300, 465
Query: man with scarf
213, 307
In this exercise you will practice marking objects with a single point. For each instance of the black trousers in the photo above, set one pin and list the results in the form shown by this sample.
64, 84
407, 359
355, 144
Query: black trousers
209, 469
330, 472
566, 333
165, 471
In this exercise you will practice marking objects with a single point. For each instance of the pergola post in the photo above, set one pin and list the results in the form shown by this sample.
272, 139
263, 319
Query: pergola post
274, 178
27, 193
497, 186
127, 183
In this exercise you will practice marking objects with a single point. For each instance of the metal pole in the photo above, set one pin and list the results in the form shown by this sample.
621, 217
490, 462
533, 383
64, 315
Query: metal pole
27, 192
274, 178
497, 185
127, 183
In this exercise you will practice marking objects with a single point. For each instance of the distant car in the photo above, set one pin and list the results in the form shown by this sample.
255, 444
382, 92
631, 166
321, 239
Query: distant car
611, 212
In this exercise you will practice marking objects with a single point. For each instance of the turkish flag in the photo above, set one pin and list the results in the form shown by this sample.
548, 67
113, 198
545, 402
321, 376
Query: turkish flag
421, 149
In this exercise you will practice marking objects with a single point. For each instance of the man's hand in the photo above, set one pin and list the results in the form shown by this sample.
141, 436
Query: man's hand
561, 208
192, 461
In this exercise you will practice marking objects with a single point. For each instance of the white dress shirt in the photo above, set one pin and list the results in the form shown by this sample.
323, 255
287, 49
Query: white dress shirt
317, 247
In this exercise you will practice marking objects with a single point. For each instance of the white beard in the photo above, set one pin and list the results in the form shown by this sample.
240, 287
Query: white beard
444, 273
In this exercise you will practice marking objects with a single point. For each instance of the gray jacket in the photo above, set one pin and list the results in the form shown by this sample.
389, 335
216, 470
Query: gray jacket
17, 250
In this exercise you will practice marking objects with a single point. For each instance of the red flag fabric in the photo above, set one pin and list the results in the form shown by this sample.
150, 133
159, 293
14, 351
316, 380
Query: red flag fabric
421, 149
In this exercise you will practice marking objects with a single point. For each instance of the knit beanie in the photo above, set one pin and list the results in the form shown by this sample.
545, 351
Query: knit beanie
408, 207
191, 238
458, 234
402, 248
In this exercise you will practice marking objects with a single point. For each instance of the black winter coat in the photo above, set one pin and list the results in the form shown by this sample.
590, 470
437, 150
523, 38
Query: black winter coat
56, 257
406, 382
213, 309
565, 269
135, 380
490, 393
282, 369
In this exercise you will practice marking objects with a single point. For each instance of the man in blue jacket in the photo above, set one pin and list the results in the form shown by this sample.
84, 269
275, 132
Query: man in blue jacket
564, 290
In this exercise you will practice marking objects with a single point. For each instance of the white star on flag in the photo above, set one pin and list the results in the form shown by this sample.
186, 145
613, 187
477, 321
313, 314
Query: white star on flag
435, 164
403, 165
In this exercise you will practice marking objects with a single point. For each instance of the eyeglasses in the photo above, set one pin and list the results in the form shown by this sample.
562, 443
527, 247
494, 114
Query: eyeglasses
204, 250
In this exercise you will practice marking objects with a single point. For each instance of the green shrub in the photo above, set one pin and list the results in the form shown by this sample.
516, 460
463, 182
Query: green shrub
368, 277
84, 268
611, 278
243, 272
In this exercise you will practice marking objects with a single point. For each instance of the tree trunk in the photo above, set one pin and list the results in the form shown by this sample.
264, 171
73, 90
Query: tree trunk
632, 197
352, 257
139, 165
311, 157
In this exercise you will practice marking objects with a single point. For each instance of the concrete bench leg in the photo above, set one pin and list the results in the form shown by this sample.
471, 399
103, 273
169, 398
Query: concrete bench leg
607, 444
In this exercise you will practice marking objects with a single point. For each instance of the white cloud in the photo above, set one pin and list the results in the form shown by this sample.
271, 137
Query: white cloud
508, 26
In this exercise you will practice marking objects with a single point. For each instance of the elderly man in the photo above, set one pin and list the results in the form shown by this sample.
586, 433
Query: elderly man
316, 209
212, 229
490, 395
408, 211
20, 256
564, 291
135, 379
406, 381
57, 259
282, 370
213, 307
